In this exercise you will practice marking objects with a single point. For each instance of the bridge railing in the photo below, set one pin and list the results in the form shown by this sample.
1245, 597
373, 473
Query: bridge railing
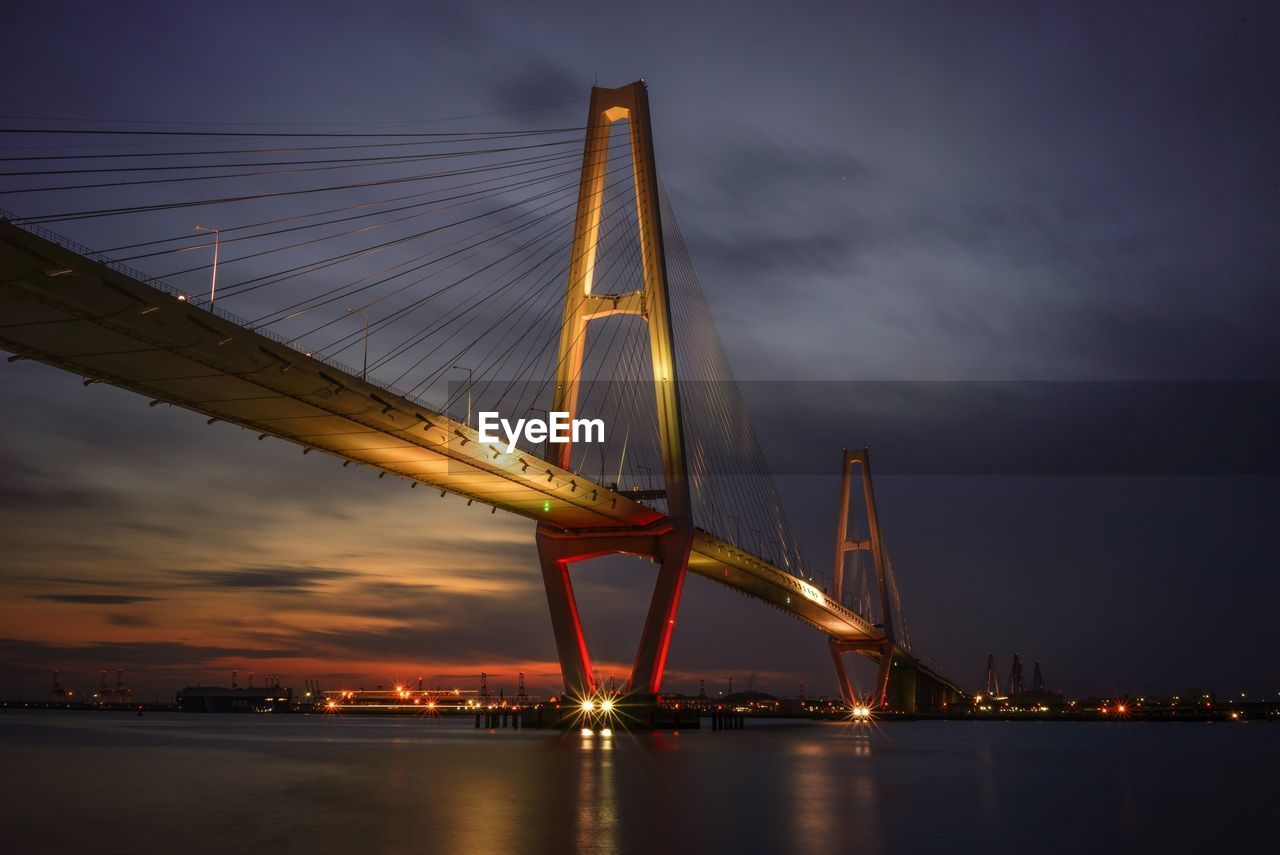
161, 285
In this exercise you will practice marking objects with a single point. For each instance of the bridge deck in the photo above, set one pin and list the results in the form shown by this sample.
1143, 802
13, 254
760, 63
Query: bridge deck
61, 307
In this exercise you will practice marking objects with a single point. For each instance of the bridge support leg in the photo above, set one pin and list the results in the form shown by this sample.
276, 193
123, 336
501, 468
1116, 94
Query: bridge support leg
882, 681
660, 623
566, 623
558, 549
842, 674
880, 649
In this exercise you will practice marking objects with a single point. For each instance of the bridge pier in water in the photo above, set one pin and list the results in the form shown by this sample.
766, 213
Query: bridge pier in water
904, 685
915, 689
936, 695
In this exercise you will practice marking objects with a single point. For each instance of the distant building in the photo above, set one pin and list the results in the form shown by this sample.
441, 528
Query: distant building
1035, 700
220, 699
402, 697
745, 701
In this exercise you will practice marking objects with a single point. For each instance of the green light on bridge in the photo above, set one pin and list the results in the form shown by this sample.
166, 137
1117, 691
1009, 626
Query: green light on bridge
546, 507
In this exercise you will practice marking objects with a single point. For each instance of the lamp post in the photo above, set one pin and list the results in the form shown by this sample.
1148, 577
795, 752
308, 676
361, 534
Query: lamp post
364, 372
546, 416
217, 236
469, 375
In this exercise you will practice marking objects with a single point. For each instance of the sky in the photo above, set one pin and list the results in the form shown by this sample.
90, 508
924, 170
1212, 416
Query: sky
1025, 253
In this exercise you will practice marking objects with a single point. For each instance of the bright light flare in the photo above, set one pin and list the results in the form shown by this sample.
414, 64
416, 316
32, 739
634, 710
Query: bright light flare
597, 710
860, 712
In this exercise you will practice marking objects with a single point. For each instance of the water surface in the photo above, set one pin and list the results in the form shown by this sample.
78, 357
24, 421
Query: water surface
108, 782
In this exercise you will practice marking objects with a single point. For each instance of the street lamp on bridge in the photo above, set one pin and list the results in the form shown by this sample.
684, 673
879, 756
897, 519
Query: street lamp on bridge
547, 417
469, 376
364, 372
217, 235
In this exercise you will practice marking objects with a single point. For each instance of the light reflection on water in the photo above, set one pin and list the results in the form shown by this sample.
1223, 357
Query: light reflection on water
597, 795
812, 795
102, 782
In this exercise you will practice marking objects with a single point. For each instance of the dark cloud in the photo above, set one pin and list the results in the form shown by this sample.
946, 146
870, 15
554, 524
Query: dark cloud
1025, 428
535, 82
34, 483
468, 640
13, 496
93, 599
777, 255
132, 654
780, 176
291, 579
127, 620
770, 208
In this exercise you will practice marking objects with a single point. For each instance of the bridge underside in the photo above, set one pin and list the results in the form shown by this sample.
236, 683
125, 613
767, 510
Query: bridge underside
59, 307
915, 687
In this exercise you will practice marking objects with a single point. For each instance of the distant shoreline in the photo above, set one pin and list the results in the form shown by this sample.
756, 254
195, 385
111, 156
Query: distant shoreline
1231, 714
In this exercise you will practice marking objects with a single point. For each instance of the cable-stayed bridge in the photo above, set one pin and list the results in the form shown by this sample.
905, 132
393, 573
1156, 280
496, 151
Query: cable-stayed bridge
523, 272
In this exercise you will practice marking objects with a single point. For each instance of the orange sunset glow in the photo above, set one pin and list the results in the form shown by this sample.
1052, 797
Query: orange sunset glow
163, 561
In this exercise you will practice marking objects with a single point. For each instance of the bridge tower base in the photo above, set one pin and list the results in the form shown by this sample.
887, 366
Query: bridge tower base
557, 550
879, 650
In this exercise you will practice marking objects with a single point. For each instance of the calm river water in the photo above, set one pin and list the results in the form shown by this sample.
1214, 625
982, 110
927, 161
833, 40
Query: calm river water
103, 782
